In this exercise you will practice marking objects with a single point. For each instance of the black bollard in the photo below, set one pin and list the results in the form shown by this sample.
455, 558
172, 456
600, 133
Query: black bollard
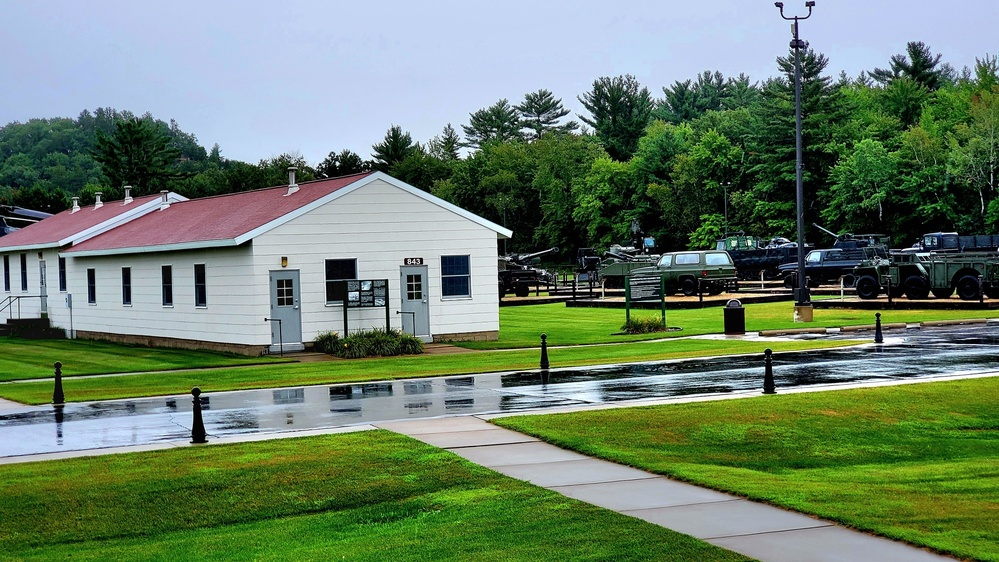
544, 351
198, 433
57, 396
878, 336
890, 291
768, 372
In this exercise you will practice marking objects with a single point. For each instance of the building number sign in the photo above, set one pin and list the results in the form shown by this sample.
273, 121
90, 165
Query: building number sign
412, 261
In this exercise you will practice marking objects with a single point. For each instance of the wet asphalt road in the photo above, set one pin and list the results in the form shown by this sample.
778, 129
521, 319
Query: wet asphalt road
911, 354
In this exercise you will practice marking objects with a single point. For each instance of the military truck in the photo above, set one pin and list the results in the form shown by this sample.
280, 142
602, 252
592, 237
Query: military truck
952, 242
754, 257
917, 276
705, 271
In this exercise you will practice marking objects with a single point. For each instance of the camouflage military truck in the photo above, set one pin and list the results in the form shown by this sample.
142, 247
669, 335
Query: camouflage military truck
917, 275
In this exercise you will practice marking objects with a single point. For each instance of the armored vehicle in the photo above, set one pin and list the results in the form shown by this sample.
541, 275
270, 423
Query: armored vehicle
619, 261
517, 272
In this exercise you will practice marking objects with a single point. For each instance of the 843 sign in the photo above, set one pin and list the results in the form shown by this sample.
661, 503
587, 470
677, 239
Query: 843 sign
412, 261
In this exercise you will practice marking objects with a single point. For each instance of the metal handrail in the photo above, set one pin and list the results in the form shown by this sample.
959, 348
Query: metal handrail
8, 304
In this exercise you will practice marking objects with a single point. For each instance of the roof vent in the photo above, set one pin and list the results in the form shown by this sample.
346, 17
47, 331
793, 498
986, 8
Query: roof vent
76, 205
128, 195
292, 186
97, 200
164, 201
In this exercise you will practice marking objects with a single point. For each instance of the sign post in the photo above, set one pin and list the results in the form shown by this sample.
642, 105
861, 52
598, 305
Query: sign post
644, 288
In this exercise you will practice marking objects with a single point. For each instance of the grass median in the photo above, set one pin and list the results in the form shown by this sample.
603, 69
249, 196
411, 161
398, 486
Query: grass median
363, 496
915, 462
521, 326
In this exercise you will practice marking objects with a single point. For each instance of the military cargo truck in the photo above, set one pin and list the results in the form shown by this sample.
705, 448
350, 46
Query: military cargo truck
943, 275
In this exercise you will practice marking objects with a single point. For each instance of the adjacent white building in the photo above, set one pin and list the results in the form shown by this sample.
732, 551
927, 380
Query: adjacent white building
259, 270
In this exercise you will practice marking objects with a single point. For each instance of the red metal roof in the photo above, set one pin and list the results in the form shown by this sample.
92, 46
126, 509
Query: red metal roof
64, 225
223, 217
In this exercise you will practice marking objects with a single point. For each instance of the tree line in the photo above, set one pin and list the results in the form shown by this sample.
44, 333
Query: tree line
901, 150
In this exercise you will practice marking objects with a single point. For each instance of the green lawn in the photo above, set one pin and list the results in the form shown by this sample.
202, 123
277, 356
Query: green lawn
364, 496
29, 359
521, 326
915, 462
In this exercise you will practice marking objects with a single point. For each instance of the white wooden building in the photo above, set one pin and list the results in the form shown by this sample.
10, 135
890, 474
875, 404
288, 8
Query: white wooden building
259, 270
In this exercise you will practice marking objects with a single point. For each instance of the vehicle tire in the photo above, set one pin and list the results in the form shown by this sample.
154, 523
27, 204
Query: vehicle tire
522, 289
868, 287
992, 291
689, 287
789, 282
916, 287
895, 291
715, 289
943, 292
812, 283
502, 291
967, 288
849, 280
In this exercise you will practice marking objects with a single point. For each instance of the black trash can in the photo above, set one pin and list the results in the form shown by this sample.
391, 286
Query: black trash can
735, 318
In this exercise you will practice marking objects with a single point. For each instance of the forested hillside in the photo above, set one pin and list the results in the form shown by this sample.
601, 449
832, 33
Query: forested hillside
901, 150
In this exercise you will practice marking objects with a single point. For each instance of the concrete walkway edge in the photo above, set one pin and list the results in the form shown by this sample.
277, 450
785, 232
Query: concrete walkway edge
761, 531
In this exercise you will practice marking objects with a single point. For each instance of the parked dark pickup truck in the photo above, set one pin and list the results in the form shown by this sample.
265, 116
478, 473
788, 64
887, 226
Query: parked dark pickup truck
827, 266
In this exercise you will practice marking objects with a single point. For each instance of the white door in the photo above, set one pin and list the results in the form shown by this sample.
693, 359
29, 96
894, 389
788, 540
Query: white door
415, 302
286, 312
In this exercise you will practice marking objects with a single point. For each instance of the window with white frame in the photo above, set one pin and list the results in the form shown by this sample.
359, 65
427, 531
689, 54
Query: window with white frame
24, 272
456, 276
200, 286
339, 270
126, 286
166, 275
91, 286
62, 275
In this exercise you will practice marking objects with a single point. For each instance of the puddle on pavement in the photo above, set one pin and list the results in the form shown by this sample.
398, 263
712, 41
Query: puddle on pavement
924, 353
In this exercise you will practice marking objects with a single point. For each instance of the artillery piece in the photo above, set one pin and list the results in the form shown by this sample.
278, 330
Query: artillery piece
517, 273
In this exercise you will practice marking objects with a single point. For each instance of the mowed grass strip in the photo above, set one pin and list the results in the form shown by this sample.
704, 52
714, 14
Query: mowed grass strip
521, 326
389, 368
916, 462
362, 496
30, 359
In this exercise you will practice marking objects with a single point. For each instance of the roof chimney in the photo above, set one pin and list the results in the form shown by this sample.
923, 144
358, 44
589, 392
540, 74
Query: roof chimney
97, 200
76, 205
292, 186
164, 201
128, 195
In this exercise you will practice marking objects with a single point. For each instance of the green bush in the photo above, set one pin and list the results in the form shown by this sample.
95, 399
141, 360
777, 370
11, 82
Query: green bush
369, 343
643, 325
327, 342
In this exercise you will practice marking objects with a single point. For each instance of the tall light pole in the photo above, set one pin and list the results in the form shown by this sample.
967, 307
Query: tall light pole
802, 300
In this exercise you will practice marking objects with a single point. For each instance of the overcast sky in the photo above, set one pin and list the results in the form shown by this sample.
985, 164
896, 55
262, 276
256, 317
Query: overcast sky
313, 76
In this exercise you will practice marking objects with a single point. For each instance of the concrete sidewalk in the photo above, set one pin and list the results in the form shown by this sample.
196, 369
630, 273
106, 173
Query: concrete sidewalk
761, 531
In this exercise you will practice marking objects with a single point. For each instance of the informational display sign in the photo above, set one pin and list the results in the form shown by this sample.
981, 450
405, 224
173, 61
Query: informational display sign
367, 293
412, 261
645, 288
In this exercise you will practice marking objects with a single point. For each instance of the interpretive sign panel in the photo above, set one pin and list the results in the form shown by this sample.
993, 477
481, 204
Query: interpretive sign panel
645, 288
370, 293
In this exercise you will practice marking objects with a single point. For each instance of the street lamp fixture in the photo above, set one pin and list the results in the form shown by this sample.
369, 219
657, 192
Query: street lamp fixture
802, 300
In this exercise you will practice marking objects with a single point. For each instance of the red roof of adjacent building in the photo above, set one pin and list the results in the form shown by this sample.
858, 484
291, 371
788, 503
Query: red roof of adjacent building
65, 225
222, 218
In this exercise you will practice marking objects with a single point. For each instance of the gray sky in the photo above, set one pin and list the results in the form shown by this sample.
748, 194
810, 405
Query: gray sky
262, 78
